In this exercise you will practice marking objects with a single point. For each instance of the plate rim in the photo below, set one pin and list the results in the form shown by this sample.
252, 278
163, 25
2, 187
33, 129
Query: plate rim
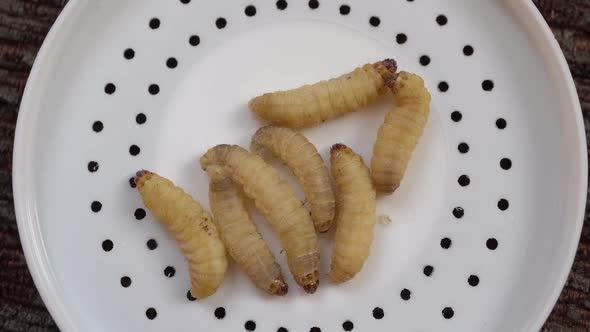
29, 224
582, 193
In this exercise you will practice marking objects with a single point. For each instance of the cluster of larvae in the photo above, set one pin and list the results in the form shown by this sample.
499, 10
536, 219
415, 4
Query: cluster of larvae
345, 199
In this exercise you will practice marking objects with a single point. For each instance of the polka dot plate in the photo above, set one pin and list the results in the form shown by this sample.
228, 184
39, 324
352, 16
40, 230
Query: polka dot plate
485, 223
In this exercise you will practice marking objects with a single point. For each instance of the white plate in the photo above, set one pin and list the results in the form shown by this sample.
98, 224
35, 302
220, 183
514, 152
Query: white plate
202, 102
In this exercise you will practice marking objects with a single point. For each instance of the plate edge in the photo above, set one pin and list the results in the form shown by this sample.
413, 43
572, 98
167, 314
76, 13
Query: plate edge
556, 54
25, 209
28, 223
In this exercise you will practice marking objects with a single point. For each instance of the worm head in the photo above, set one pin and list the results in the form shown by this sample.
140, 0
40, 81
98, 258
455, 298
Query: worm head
279, 287
142, 176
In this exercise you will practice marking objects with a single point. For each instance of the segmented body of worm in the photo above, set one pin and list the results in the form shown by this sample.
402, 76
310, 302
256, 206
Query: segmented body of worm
239, 234
355, 216
279, 204
399, 134
301, 156
191, 226
313, 104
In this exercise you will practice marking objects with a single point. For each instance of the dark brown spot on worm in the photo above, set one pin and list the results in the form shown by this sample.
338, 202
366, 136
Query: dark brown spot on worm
139, 174
311, 288
279, 287
390, 80
390, 64
337, 147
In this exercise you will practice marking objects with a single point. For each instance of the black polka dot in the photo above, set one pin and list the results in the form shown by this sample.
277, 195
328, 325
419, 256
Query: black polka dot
169, 271
107, 245
458, 212
487, 85
250, 11
194, 40
464, 180
139, 214
456, 116
344, 10
441, 20
374, 21
152, 244
132, 183
313, 4
506, 163
401, 38
473, 280
125, 281
463, 147
154, 23
96, 206
151, 313
134, 150
315, 329
378, 313
190, 296
219, 313
468, 50
171, 63
282, 4
92, 166
427, 270
503, 204
425, 60
110, 88
445, 243
347, 326
129, 54
282, 329
443, 86
405, 294
154, 89
221, 23
501, 123
185, 1
250, 325
448, 312
492, 244
97, 126
140, 118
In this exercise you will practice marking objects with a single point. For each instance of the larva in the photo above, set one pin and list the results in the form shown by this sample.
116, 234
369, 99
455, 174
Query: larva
279, 204
239, 233
312, 104
355, 216
191, 226
399, 134
301, 156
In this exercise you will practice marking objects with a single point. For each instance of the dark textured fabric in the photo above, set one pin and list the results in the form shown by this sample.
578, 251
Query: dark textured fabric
23, 26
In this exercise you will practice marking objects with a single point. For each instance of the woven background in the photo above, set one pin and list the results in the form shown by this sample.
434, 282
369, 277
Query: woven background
23, 26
